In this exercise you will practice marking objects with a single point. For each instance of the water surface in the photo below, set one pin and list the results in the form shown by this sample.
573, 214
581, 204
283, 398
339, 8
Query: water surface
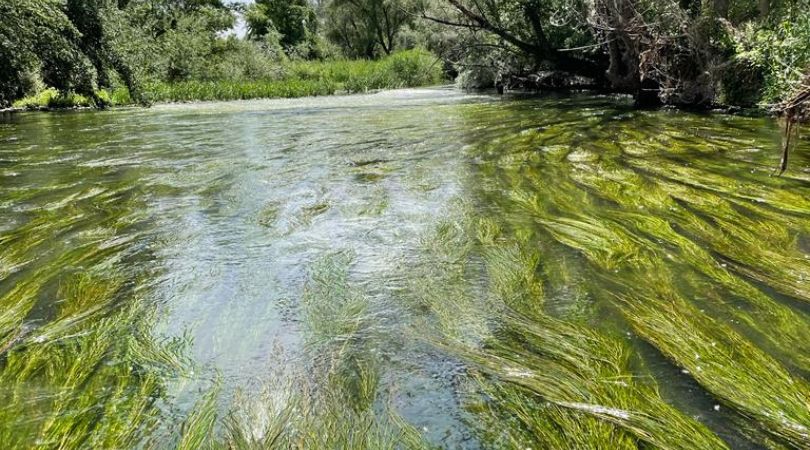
409, 268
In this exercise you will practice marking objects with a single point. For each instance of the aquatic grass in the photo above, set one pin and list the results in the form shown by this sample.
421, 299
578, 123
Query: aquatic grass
580, 381
24, 295
764, 314
762, 249
335, 312
783, 199
17, 247
197, 431
299, 219
580, 374
76, 366
635, 222
727, 365
341, 327
85, 397
694, 334
564, 384
518, 420
691, 338
611, 246
376, 203
16, 305
298, 419
331, 404
612, 232
261, 420
778, 264
512, 273
439, 284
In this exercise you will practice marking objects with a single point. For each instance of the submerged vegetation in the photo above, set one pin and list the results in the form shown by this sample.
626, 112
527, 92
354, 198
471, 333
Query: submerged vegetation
450, 271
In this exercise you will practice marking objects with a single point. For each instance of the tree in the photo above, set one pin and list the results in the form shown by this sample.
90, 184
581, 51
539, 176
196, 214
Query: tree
523, 26
366, 28
38, 41
294, 20
90, 17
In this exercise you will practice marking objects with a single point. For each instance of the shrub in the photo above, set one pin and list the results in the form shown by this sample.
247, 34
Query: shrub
282, 79
52, 98
780, 51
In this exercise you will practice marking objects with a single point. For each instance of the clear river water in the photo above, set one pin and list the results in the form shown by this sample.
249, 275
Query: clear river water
409, 269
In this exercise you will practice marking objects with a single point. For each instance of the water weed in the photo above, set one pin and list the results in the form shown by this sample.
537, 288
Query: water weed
449, 271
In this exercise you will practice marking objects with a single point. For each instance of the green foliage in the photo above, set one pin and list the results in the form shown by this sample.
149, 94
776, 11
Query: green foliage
38, 41
310, 78
52, 98
736, 51
780, 51
294, 21
188, 48
368, 28
260, 77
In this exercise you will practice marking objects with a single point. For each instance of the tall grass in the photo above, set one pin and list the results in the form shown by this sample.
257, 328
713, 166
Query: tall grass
409, 68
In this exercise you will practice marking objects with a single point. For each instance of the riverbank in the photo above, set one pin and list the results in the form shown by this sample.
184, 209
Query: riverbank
412, 68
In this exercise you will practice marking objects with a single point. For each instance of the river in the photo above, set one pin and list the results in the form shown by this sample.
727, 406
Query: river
405, 269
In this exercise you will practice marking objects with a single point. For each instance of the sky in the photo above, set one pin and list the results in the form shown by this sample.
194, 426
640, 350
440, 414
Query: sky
240, 29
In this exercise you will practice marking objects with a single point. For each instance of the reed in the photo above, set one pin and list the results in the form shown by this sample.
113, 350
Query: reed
410, 68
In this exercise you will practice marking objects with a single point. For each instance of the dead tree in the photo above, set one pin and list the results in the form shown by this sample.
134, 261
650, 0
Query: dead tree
794, 111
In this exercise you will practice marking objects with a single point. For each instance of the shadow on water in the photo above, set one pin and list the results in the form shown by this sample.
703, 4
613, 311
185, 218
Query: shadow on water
407, 269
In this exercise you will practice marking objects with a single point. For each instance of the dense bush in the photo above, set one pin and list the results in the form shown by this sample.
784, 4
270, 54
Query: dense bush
682, 52
39, 43
780, 52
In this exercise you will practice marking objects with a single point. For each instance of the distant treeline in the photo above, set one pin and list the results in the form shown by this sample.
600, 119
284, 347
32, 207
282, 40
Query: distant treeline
694, 53
102, 52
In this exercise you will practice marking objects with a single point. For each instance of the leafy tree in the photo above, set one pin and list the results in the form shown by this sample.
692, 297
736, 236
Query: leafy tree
541, 31
367, 28
93, 19
294, 20
187, 49
38, 41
